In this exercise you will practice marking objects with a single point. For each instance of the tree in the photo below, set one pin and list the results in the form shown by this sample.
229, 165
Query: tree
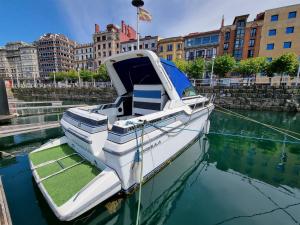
59, 76
195, 68
86, 75
72, 75
223, 64
181, 64
285, 64
102, 73
251, 66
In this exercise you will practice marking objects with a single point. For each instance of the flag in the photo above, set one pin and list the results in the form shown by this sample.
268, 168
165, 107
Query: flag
144, 15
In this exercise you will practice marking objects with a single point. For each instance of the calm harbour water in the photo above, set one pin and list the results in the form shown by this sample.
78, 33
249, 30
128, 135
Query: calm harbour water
224, 178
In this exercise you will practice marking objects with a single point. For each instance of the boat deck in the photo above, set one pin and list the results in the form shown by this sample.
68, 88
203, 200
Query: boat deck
62, 172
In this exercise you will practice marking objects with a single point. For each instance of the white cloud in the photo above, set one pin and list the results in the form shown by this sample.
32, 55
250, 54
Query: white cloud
170, 17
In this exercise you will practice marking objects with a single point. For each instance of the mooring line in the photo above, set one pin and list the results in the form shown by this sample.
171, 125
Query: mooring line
231, 113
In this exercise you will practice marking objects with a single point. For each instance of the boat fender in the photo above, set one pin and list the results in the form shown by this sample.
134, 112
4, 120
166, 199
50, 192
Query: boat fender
206, 127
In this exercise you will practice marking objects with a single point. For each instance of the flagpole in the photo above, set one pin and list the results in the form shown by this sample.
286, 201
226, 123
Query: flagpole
137, 4
137, 27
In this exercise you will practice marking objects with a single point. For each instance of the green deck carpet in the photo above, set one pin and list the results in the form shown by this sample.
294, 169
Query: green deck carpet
63, 186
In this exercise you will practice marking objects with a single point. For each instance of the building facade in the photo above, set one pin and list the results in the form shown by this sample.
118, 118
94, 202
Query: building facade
56, 53
171, 48
19, 62
107, 42
281, 32
204, 44
147, 42
242, 39
84, 57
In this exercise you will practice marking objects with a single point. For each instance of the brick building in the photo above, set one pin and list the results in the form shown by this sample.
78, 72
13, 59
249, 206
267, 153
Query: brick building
56, 53
242, 38
107, 42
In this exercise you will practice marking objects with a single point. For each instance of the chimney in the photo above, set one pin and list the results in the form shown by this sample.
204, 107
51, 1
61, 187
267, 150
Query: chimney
123, 26
97, 28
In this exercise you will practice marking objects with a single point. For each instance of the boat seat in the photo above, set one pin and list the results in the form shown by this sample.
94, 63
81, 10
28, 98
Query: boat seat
148, 99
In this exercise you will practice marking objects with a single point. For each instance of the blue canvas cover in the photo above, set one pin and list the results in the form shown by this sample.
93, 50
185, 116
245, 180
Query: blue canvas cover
178, 78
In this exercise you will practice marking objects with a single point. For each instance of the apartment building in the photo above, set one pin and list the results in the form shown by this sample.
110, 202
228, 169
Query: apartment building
56, 53
84, 57
242, 38
147, 42
171, 48
202, 44
19, 62
280, 32
107, 42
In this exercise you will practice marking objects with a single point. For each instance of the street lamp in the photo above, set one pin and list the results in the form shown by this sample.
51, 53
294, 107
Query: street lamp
212, 70
137, 4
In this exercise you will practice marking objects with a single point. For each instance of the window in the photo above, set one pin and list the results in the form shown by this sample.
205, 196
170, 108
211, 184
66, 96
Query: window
250, 53
226, 46
117, 45
104, 54
251, 42
169, 57
104, 46
274, 18
152, 45
109, 45
289, 30
103, 38
269, 59
292, 15
146, 46
227, 36
253, 32
170, 47
109, 53
178, 46
134, 47
99, 47
129, 48
98, 38
287, 44
270, 46
161, 48
272, 32
141, 46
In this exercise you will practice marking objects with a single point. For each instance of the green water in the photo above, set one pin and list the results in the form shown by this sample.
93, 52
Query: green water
240, 180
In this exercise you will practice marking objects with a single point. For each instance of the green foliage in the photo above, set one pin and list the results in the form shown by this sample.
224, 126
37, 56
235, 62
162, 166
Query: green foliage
196, 68
86, 75
285, 64
224, 64
182, 65
102, 73
59, 76
251, 66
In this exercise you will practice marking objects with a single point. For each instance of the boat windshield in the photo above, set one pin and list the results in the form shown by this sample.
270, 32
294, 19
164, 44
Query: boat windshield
190, 91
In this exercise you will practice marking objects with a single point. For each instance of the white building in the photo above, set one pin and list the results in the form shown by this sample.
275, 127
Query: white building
84, 57
19, 62
148, 42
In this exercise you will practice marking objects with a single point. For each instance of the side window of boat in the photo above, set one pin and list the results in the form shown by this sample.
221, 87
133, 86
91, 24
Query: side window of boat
190, 91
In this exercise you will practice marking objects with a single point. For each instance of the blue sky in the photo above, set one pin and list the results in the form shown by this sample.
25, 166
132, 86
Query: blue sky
26, 20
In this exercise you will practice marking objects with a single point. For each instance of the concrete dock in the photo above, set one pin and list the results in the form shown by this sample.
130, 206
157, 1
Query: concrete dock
5, 218
11, 130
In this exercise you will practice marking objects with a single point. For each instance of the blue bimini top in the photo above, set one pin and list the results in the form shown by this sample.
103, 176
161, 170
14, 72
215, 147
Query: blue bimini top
177, 77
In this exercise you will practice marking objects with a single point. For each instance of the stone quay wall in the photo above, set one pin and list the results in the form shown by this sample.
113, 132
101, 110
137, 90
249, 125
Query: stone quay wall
246, 97
71, 95
262, 98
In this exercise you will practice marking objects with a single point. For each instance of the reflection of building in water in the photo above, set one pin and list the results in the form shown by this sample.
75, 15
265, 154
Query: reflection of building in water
161, 191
